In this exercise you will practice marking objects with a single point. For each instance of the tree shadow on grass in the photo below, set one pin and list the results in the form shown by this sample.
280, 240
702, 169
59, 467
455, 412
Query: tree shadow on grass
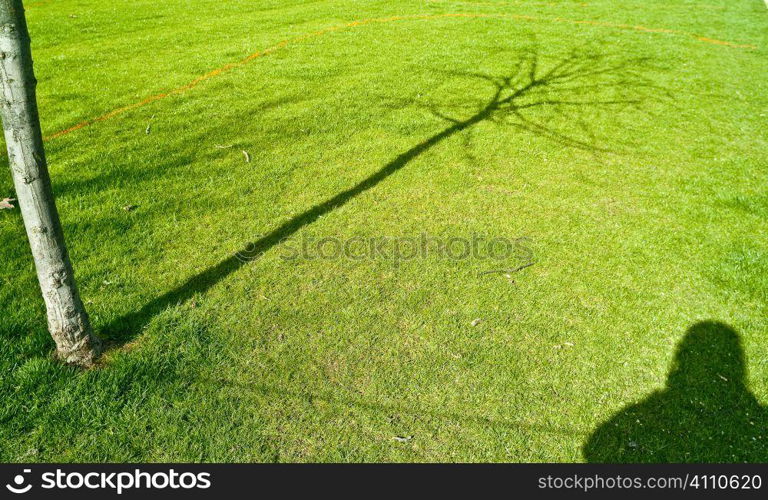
706, 413
573, 83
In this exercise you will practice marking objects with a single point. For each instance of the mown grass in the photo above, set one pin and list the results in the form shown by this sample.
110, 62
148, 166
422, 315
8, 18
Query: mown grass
639, 182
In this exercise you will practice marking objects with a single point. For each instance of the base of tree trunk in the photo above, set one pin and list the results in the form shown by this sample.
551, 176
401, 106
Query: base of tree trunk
84, 354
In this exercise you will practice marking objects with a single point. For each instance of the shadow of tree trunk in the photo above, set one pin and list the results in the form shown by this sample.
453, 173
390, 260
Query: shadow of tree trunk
561, 87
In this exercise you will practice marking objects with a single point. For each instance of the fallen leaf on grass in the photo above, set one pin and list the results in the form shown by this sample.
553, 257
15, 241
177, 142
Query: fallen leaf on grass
6, 203
476, 322
402, 439
247, 156
149, 126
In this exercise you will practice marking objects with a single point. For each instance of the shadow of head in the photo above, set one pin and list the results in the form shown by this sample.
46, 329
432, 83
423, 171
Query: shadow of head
706, 412
709, 361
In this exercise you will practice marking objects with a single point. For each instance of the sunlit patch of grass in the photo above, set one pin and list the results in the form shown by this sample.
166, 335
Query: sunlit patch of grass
636, 179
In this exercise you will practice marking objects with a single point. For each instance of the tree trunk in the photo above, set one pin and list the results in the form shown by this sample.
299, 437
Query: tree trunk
67, 320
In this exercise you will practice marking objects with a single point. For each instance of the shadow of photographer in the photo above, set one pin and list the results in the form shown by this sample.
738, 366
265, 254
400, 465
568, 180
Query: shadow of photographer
706, 413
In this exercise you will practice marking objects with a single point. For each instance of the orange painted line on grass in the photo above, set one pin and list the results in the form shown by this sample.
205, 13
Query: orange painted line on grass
362, 22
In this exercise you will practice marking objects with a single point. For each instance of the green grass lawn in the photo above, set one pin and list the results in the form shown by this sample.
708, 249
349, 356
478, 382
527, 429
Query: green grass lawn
633, 159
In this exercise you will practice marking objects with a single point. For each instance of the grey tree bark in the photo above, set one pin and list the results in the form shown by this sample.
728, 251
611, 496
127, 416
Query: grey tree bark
67, 319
